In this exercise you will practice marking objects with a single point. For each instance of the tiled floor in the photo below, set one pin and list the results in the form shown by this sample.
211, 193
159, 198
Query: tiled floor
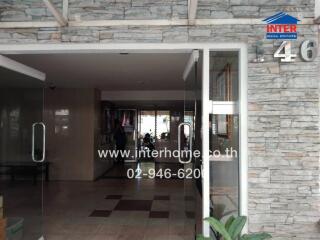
115, 209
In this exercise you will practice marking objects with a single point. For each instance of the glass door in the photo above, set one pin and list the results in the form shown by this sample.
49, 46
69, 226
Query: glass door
190, 141
22, 150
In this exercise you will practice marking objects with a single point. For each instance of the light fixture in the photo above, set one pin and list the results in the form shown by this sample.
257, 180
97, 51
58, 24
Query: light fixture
259, 52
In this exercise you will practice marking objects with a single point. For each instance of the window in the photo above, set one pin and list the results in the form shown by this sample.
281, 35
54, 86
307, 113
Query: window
147, 123
156, 123
163, 125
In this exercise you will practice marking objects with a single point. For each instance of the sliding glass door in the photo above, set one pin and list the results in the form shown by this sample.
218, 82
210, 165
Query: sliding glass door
22, 154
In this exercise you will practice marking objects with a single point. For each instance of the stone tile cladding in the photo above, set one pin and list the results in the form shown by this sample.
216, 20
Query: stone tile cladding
27, 10
283, 98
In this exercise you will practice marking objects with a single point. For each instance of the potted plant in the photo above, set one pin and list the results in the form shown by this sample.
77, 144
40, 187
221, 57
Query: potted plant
231, 230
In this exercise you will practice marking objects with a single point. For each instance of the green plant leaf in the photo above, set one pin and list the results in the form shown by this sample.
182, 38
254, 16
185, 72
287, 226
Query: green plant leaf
228, 222
201, 237
237, 226
256, 236
218, 227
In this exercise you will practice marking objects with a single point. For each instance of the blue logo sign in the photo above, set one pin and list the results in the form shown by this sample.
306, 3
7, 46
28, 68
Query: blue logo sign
281, 26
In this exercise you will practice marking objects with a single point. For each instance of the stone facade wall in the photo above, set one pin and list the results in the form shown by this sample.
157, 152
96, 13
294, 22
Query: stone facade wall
283, 104
28, 10
283, 132
253, 8
20, 10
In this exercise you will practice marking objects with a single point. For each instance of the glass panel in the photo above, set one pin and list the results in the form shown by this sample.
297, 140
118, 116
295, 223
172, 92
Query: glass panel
163, 125
21, 105
224, 135
224, 74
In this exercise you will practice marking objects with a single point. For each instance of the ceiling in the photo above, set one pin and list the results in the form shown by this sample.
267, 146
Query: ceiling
110, 71
11, 79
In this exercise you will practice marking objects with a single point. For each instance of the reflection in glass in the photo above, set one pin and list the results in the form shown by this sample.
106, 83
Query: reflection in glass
188, 118
224, 76
61, 120
14, 117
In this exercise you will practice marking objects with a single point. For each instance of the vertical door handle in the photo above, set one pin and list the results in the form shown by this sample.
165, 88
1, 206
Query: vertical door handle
43, 142
190, 141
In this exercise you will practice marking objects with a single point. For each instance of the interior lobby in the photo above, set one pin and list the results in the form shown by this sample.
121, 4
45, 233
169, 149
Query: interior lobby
156, 103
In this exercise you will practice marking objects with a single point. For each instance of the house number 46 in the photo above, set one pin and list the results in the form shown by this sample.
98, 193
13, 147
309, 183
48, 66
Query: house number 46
308, 51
